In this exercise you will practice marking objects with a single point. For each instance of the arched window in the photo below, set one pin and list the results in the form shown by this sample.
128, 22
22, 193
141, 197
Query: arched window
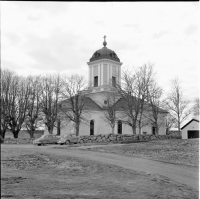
92, 127
119, 130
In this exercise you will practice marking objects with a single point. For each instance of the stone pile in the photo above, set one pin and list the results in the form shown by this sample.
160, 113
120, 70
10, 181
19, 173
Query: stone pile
123, 138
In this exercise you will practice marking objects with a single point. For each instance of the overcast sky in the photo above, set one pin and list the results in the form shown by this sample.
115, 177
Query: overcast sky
40, 37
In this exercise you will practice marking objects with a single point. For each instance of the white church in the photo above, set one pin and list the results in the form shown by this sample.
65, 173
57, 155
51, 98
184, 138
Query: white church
104, 70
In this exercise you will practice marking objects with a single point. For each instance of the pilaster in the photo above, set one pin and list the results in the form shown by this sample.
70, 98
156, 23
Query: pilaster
99, 75
92, 76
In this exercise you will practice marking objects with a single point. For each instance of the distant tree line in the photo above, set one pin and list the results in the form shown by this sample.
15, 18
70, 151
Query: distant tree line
34, 100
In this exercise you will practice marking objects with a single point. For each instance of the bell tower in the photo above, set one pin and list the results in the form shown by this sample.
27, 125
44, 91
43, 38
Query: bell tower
104, 69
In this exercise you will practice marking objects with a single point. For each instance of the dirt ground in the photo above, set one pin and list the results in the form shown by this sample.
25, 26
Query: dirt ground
33, 174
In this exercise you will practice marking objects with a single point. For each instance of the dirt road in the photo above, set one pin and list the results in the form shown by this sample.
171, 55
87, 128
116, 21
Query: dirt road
181, 174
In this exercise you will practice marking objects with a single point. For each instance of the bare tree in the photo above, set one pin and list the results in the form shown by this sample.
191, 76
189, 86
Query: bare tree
6, 81
110, 109
169, 122
144, 78
133, 91
131, 100
195, 108
18, 103
74, 107
49, 98
177, 104
155, 109
33, 116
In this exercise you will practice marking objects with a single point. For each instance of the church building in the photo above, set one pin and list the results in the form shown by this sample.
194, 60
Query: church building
104, 72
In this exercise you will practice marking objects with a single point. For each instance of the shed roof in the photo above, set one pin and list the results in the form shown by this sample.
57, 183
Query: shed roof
189, 123
120, 104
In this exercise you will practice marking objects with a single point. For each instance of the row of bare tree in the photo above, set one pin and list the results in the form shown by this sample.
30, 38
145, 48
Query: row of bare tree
35, 100
143, 101
140, 98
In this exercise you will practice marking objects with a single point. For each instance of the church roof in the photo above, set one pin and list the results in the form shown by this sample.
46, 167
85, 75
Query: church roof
104, 53
120, 105
89, 104
93, 106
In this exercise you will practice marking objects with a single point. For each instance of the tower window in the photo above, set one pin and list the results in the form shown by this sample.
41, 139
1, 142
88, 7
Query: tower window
95, 81
114, 81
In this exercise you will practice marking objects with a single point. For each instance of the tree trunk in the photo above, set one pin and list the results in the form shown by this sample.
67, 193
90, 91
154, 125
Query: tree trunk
140, 128
31, 133
3, 132
15, 133
77, 129
134, 129
167, 131
58, 127
179, 125
139, 124
157, 129
113, 129
50, 129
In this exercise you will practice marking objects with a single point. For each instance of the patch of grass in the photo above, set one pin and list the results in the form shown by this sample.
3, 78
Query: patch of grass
69, 177
175, 151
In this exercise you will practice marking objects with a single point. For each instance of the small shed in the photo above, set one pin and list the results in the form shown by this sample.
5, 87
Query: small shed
191, 129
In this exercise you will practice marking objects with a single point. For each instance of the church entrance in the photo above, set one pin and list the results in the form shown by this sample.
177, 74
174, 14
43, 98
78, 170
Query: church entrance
92, 127
119, 127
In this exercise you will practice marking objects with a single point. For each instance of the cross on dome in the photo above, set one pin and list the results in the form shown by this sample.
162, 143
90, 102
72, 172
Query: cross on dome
104, 43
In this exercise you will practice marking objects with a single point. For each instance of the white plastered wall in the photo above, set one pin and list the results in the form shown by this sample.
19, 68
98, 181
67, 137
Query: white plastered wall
102, 70
102, 127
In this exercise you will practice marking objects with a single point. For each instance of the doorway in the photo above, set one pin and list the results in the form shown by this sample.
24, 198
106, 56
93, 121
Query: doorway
193, 134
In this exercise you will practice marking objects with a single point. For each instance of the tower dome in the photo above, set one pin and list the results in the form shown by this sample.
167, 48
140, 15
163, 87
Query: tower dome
104, 69
104, 53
